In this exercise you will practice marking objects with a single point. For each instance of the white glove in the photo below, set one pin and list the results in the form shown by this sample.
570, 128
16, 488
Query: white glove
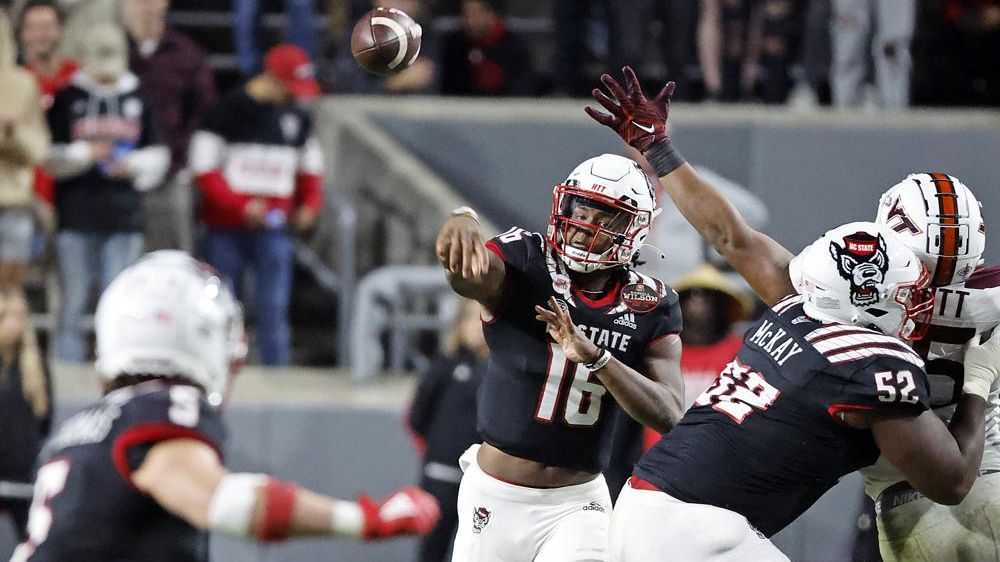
982, 364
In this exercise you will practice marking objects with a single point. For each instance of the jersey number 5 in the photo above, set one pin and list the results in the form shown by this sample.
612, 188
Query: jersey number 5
49, 483
582, 398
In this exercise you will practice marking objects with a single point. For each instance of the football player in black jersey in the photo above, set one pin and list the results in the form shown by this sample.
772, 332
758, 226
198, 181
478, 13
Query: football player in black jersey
821, 386
139, 476
578, 339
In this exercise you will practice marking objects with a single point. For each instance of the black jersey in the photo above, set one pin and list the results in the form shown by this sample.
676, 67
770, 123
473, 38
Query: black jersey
85, 508
765, 439
533, 402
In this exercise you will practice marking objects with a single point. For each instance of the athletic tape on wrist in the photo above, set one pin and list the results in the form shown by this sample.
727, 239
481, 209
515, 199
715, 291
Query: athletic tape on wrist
664, 158
976, 385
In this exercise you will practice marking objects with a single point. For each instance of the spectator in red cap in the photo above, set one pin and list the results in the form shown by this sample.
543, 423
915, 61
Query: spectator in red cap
258, 167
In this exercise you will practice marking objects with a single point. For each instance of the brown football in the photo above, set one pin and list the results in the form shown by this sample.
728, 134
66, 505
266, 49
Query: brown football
385, 41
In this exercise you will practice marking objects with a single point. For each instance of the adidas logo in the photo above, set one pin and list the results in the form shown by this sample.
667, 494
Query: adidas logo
627, 320
594, 506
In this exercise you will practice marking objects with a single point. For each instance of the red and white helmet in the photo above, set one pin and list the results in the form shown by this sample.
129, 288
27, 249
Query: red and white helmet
173, 316
940, 219
861, 273
618, 187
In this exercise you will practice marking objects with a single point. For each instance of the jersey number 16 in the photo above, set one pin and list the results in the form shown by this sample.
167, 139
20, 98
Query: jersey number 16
582, 398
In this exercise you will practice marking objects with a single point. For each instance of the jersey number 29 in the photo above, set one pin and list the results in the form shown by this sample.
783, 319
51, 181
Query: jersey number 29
582, 398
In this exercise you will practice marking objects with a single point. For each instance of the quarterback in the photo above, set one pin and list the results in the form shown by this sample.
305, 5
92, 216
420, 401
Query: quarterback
578, 339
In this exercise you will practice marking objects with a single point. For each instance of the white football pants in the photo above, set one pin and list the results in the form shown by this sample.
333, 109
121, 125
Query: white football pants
651, 526
923, 531
502, 522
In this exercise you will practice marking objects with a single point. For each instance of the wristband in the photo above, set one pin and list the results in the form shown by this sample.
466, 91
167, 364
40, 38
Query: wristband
347, 519
664, 158
976, 385
466, 211
600, 362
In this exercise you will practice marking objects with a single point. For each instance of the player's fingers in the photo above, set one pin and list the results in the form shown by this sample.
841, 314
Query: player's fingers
632, 87
467, 256
483, 257
666, 92
544, 314
607, 103
613, 86
557, 310
601, 117
455, 255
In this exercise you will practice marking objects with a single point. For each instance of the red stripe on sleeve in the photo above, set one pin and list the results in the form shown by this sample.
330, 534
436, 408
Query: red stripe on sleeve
309, 191
153, 432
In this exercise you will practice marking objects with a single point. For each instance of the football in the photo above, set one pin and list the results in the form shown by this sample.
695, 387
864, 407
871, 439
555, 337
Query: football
385, 41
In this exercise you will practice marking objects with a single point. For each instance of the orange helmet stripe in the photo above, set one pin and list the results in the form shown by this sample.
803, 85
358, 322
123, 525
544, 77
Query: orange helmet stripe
948, 207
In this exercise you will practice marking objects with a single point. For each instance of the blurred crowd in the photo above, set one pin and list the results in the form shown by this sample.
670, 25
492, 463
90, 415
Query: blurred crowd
116, 139
878, 53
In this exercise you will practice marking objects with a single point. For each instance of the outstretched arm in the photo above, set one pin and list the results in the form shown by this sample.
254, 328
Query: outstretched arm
642, 123
186, 477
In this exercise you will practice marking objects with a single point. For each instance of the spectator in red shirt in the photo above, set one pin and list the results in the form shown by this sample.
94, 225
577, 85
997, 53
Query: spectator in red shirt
175, 75
40, 31
258, 167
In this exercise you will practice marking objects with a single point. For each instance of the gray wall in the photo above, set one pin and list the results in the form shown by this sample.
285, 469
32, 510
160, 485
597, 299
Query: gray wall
813, 174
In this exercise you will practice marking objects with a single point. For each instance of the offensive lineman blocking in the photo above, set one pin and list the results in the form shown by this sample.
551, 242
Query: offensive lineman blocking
777, 433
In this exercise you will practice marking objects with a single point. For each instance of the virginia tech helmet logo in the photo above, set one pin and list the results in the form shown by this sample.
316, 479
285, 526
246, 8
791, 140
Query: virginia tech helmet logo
862, 261
480, 518
903, 222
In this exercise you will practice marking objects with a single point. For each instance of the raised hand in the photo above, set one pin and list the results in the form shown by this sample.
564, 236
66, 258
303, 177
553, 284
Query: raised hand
639, 121
577, 347
460, 248
407, 511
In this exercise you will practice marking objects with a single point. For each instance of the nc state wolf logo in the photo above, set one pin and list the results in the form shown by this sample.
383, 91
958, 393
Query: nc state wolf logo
480, 518
862, 261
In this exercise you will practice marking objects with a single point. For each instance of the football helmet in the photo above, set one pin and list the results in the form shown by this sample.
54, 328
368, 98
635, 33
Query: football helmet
622, 206
171, 315
940, 219
860, 273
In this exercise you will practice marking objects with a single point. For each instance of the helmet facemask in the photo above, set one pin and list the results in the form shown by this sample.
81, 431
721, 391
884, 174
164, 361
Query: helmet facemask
916, 301
591, 231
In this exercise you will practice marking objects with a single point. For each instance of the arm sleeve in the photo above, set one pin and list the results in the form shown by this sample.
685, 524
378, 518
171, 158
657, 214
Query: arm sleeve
887, 385
178, 412
67, 158
200, 98
514, 247
671, 320
30, 142
309, 178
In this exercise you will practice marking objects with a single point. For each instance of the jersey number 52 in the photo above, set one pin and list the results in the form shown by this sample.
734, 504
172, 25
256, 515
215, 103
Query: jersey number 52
738, 391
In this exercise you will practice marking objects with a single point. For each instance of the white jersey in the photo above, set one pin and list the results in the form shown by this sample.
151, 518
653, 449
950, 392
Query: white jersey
960, 312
